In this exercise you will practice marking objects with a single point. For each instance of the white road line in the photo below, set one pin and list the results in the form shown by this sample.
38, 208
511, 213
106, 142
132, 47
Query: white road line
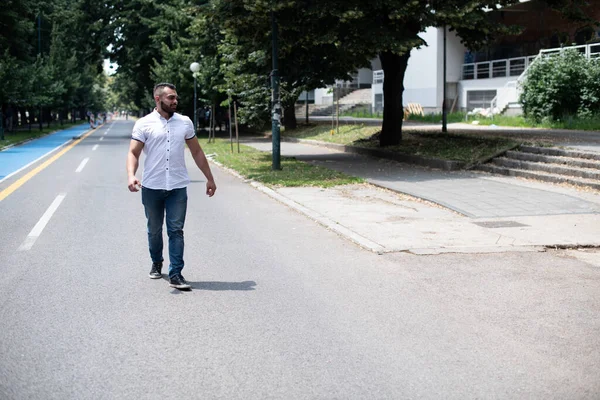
41, 224
80, 168
102, 138
95, 147
105, 132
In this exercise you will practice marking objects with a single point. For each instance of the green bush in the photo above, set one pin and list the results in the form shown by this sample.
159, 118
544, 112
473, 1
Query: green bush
561, 86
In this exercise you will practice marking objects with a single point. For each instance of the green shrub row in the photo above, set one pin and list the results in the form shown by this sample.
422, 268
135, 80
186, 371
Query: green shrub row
562, 86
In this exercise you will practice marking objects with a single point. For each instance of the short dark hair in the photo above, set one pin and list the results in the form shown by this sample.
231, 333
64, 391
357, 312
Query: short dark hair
159, 86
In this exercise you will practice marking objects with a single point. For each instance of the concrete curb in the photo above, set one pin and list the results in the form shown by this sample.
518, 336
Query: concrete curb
477, 250
362, 241
372, 246
321, 219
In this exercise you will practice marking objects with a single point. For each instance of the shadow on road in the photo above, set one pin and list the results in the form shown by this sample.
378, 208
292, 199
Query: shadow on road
245, 285
219, 286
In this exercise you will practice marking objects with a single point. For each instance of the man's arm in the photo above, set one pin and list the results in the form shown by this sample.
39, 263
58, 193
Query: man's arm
133, 160
202, 163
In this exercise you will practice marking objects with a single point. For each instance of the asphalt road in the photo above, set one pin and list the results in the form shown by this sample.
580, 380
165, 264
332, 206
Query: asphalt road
281, 308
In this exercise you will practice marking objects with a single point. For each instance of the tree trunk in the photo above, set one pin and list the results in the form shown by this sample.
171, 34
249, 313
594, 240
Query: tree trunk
47, 117
289, 117
394, 68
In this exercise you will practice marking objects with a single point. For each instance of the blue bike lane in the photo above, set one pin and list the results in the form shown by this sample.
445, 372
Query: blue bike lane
18, 157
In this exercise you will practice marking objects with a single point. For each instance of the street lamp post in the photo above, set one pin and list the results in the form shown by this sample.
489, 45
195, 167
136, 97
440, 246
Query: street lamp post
195, 67
276, 110
444, 111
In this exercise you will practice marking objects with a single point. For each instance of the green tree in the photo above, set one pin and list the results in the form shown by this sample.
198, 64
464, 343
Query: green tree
336, 37
47, 46
308, 54
143, 32
390, 28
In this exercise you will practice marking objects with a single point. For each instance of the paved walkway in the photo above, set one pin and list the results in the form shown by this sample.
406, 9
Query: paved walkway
471, 194
490, 213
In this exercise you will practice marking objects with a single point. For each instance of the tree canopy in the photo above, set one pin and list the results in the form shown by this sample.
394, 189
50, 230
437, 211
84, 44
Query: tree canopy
318, 43
51, 56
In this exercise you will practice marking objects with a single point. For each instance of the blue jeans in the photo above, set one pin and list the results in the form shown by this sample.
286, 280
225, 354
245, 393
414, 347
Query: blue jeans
173, 203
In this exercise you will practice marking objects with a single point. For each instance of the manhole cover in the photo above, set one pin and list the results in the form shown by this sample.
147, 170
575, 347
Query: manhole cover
499, 224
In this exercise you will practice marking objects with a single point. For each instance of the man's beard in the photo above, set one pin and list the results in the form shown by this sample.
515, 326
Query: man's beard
170, 111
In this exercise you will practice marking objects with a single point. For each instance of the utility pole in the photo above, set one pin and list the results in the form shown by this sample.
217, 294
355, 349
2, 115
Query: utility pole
276, 111
40, 55
195, 106
306, 106
444, 112
40, 33
195, 67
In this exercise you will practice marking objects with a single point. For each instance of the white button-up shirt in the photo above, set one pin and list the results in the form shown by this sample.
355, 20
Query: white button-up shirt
164, 147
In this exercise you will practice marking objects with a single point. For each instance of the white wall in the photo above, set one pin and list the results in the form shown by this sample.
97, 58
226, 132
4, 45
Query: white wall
322, 97
311, 95
420, 80
377, 88
365, 75
423, 81
455, 51
455, 56
376, 64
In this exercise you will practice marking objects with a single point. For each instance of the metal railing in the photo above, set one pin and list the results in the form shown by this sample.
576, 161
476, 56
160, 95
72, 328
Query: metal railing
496, 68
588, 50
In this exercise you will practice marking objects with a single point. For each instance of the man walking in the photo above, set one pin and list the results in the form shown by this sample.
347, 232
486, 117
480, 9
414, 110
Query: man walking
162, 136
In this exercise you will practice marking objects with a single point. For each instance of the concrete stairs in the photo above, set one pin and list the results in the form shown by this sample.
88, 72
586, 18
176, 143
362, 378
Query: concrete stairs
549, 165
348, 102
360, 96
513, 109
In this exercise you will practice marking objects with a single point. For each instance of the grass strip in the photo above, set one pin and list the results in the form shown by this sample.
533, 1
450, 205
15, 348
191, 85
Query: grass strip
257, 165
463, 148
344, 134
518, 121
466, 148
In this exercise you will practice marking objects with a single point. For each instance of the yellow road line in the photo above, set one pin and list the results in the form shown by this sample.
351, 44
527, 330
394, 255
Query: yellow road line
8, 191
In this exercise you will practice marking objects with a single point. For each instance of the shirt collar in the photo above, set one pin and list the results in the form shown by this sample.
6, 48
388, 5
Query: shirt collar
157, 114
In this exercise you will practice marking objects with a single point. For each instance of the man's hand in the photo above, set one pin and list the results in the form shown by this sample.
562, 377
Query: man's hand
134, 184
211, 188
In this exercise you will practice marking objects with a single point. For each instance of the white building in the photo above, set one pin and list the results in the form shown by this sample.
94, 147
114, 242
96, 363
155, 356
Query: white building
492, 80
423, 79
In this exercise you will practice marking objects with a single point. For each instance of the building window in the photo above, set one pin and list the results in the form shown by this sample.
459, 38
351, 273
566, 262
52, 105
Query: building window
479, 99
378, 102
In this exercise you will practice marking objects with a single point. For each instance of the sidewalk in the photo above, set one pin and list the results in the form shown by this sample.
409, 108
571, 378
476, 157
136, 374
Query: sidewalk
426, 211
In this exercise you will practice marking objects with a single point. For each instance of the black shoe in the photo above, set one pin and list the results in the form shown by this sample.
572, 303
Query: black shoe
178, 282
155, 272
